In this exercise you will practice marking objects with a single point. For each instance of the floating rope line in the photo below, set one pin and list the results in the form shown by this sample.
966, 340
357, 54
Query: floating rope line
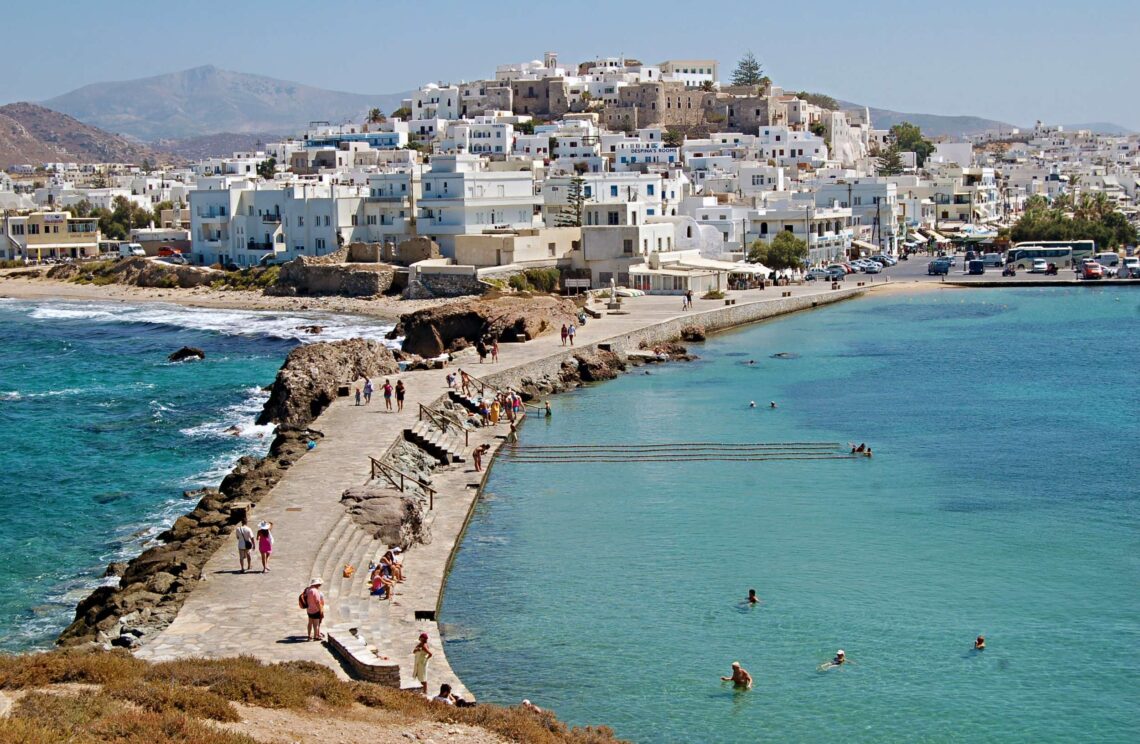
677, 445
727, 457
555, 454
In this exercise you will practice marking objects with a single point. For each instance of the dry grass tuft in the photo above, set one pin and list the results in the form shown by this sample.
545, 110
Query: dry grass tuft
141, 703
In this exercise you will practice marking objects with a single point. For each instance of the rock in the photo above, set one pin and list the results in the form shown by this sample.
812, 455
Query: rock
692, 333
186, 352
330, 275
126, 640
434, 330
115, 568
388, 515
307, 383
160, 583
312, 329
143, 272
599, 365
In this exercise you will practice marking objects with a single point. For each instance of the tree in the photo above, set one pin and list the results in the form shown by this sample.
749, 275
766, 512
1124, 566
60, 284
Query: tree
266, 168
819, 99
1090, 219
748, 72
571, 214
890, 163
819, 129
375, 116
402, 113
785, 251
908, 137
707, 86
673, 137
81, 208
524, 127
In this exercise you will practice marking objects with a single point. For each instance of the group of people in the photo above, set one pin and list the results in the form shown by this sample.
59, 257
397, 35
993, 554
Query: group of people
487, 346
568, 333
742, 680
862, 449
386, 573
364, 393
247, 540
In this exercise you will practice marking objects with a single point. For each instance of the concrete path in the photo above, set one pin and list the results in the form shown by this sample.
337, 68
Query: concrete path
232, 613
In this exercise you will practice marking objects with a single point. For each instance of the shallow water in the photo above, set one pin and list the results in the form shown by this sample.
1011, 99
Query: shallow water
103, 435
1001, 500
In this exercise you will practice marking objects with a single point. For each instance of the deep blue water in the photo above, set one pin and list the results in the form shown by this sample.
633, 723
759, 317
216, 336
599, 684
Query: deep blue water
1002, 500
102, 435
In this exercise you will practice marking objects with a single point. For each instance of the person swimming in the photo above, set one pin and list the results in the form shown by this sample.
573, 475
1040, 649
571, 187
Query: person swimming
771, 404
980, 644
751, 404
740, 678
752, 598
839, 660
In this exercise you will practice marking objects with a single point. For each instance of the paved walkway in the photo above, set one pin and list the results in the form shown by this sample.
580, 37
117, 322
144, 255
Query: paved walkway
232, 613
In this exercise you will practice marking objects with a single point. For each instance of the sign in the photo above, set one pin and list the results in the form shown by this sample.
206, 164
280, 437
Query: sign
55, 218
576, 283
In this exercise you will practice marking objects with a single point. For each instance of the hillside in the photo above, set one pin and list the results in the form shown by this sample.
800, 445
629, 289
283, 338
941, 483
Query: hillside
207, 100
222, 144
932, 125
34, 134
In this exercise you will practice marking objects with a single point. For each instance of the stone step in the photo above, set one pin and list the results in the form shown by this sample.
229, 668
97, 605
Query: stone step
335, 583
339, 528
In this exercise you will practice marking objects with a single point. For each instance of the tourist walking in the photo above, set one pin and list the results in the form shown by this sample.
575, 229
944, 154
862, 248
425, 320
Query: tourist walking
245, 546
495, 350
689, 298
265, 543
421, 653
565, 333
387, 394
313, 602
571, 331
357, 396
400, 390
367, 391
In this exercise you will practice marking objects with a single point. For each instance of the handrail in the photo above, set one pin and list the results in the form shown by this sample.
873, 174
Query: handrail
443, 422
483, 384
392, 473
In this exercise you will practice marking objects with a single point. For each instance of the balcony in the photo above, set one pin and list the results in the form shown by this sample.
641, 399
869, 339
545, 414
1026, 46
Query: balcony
271, 219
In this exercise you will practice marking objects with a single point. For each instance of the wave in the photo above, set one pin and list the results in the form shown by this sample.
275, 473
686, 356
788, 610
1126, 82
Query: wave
249, 323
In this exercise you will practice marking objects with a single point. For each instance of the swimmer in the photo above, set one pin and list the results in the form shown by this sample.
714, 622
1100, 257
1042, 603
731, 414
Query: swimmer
547, 410
752, 361
752, 598
771, 404
751, 404
839, 660
740, 678
980, 644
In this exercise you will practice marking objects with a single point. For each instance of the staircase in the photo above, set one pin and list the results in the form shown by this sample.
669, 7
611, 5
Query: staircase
471, 404
445, 447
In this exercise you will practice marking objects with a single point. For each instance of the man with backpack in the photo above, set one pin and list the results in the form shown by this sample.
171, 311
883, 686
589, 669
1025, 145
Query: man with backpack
312, 601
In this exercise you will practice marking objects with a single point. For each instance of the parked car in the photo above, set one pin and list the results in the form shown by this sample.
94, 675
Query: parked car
167, 250
938, 266
814, 274
1108, 260
976, 267
1040, 266
1129, 268
992, 259
1091, 270
836, 272
175, 258
873, 267
885, 260
128, 250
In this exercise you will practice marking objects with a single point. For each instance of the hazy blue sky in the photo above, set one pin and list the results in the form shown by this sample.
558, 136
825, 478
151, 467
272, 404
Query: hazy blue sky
1013, 60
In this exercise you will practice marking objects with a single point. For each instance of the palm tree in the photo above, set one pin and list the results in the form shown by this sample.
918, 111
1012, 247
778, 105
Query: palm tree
376, 116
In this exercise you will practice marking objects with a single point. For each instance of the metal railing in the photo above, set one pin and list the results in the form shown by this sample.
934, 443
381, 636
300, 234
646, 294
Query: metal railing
444, 423
398, 478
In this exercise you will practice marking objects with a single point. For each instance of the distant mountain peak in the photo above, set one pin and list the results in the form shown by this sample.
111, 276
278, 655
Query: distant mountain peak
207, 99
32, 134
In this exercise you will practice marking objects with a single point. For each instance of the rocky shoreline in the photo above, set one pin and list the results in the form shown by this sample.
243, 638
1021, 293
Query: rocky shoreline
154, 585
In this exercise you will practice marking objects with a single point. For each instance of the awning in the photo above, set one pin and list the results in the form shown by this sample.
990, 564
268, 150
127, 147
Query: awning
938, 238
865, 246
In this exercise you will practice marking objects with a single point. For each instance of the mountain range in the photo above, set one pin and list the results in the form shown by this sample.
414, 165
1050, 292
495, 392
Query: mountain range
208, 100
33, 135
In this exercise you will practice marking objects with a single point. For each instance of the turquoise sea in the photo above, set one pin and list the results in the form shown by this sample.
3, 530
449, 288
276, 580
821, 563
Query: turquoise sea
101, 435
1002, 500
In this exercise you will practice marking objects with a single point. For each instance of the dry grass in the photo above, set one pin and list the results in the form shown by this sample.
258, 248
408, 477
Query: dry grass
174, 701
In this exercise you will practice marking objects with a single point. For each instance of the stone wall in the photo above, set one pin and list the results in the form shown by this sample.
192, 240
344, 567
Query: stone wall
316, 277
670, 330
445, 285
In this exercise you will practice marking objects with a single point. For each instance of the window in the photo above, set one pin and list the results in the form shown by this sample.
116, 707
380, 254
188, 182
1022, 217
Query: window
789, 228
300, 221
550, 249
320, 244
614, 189
612, 218
354, 220
427, 186
627, 246
588, 191
649, 189
858, 201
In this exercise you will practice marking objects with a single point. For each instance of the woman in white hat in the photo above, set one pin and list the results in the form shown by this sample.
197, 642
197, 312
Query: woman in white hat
314, 602
265, 543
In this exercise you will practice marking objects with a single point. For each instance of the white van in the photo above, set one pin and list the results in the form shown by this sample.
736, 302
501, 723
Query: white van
992, 259
1108, 260
126, 250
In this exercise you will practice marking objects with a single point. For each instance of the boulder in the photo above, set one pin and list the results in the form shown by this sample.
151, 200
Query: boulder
186, 352
434, 330
693, 333
387, 515
308, 381
596, 366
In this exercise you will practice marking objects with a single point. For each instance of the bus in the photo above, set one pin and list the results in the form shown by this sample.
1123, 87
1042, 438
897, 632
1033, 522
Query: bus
1060, 252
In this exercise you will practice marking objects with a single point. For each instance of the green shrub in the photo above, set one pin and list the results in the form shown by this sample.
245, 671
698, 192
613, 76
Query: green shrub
543, 280
518, 282
713, 294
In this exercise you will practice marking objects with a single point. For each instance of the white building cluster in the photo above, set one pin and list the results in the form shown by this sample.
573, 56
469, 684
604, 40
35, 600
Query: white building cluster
654, 176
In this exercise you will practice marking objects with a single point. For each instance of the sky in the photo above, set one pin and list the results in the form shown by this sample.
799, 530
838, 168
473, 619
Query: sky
1012, 60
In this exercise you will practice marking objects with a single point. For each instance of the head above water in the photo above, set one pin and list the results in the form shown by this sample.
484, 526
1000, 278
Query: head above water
736, 665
